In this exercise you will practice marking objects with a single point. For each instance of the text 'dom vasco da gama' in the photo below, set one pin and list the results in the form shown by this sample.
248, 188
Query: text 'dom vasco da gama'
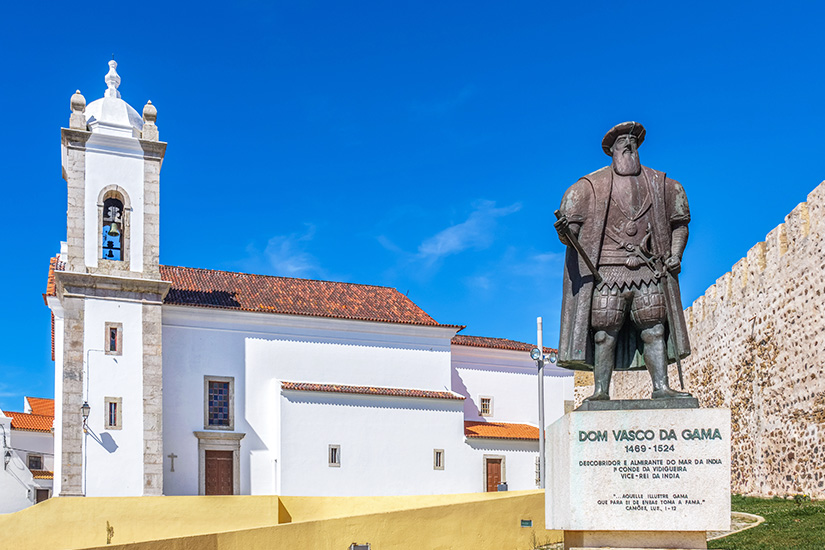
651, 468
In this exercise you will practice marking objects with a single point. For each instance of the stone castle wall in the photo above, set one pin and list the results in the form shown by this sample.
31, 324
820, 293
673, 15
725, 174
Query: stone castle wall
758, 342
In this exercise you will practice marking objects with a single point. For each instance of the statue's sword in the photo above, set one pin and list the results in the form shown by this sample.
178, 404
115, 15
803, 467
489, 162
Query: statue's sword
665, 282
663, 278
574, 242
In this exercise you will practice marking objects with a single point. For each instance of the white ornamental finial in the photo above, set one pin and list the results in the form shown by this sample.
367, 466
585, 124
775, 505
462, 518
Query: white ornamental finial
112, 80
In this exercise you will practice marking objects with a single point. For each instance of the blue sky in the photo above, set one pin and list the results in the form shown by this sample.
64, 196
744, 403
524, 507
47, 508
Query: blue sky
418, 145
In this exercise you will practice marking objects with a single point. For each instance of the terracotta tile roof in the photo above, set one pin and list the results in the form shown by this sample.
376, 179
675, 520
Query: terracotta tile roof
30, 422
50, 290
41, 406
54, 265
42, 474
369, 390
498, 343
500, 430
264, 293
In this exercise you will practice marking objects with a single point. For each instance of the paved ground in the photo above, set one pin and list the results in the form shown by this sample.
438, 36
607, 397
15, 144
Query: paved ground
739, 521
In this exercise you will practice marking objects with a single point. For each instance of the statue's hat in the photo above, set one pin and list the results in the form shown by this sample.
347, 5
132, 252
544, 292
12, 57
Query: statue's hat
633, 128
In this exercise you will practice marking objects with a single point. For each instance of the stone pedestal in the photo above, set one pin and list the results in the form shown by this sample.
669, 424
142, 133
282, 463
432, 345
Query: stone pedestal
639, 478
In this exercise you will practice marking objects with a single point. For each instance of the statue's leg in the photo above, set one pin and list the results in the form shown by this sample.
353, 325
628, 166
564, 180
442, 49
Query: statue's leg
606, 317
649, 314
605, 360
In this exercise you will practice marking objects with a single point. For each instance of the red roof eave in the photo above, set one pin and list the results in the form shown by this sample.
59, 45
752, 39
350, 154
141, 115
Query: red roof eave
30, 422
369, 390
495, 343
500, 430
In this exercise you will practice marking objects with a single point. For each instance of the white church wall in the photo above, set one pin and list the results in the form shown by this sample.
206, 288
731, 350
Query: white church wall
386, 445
114, 161
261, 410
58, 394
257, 351
510, 378
114, 457
189, 354
385, 364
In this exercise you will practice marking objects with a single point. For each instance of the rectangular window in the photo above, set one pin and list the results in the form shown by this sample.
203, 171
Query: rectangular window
438, 459
334, 456
35, 462
485, 407
113, 412
113, 339
219, 402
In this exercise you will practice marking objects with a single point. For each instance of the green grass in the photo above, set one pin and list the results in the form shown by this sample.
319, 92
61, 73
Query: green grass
788, 525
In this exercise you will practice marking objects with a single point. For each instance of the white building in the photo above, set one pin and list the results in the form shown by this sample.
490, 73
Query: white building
28, 460
210, 382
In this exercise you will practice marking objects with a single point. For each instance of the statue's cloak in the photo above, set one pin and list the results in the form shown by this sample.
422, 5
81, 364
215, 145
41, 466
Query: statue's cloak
586, 203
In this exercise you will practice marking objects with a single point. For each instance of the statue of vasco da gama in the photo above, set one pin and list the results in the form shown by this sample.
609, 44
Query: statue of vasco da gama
625, 227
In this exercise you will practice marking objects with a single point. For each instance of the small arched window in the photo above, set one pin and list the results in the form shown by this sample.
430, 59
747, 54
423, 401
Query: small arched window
113, 228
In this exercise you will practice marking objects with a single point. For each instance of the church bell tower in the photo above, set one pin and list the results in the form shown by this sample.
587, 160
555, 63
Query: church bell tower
107, 302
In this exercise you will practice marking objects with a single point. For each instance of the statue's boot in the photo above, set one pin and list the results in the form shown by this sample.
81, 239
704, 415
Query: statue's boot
605, 350
656, 362
669, 393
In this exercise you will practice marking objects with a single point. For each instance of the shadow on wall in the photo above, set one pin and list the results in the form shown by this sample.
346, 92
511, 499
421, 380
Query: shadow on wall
105, 440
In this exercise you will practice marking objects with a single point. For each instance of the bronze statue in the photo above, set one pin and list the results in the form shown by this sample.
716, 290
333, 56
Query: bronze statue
625, 227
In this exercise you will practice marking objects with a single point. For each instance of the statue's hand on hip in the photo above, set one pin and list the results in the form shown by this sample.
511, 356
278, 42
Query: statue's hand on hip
673, 264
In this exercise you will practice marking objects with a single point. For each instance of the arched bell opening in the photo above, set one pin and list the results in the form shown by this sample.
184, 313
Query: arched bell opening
113, 225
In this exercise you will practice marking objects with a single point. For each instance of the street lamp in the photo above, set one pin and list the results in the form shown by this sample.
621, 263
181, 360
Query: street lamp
537, 354
85, 409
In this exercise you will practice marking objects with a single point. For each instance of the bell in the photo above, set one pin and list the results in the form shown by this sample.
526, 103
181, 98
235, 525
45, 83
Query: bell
110, 255
113, 232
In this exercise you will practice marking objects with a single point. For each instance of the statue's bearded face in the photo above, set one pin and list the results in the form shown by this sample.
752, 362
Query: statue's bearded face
626, 156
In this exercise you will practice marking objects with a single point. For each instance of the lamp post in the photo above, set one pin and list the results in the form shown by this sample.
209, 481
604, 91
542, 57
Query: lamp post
538, 355
85, 410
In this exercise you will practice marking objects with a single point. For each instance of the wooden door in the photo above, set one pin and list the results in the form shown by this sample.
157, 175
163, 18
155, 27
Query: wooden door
219, 473
493, 474
41, 495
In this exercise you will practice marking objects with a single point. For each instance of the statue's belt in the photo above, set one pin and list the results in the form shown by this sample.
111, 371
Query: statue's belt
636, 255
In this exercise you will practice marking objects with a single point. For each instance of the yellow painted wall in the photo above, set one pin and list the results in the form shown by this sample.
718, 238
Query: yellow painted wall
316, 508
473, 521
77, 522
467, 522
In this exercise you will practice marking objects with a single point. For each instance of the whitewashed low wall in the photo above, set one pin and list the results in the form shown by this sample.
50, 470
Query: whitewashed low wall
386, 445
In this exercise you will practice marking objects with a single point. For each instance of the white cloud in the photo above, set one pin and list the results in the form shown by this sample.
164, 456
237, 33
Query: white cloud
287, 255
516, 268
476, 233
479, 282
